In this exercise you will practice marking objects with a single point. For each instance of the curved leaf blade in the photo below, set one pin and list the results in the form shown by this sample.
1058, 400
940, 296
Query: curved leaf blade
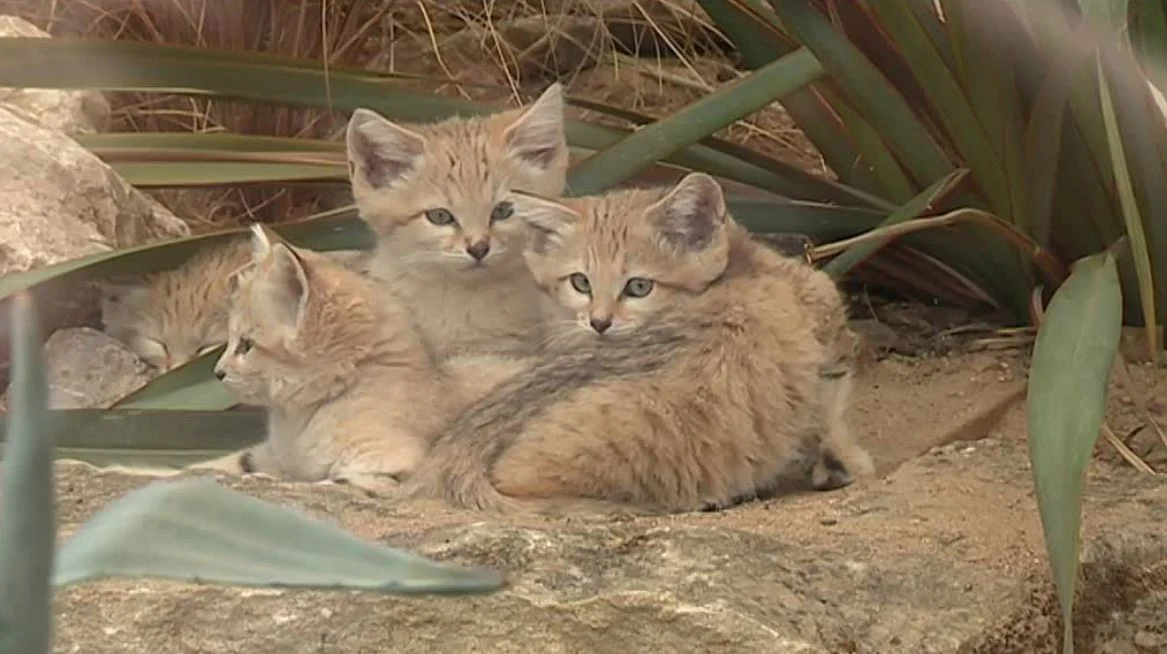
27, 512
189, 387
1068, 381
194, 530
704, 117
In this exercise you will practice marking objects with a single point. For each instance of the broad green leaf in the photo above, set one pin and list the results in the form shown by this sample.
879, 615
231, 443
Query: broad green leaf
873, 96
339, 229
79, 63
27, 524
1131, 215
1068, 382
180, 174
950, 100
214, 141
842, 264
147, 429
756, 31
715, 111
196, 531
189, 387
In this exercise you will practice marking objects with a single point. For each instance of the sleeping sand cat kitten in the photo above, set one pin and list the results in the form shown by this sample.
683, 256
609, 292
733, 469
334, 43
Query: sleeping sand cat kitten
449, 242
173, 316
690, 379
170, 317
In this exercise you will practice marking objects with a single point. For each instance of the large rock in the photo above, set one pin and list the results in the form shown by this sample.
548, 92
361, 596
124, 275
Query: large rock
87, 369
58, 202
943, 555
71, 112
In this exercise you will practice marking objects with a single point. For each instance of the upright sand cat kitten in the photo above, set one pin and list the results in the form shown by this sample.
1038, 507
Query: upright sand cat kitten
171, 317
691, 378
351, 391
449, 239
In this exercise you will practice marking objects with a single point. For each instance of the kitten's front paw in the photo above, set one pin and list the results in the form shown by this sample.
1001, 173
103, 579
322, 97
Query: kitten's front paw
231, 463
372, 484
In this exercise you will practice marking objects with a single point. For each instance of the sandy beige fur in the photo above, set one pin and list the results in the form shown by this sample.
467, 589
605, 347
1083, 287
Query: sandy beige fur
699, 393
171, 317
352, 392
459, 172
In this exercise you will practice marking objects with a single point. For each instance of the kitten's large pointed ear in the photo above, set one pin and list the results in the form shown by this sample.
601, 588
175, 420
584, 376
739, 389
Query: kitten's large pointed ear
550, 223
537, 137
381, 154
692, 215
280, 286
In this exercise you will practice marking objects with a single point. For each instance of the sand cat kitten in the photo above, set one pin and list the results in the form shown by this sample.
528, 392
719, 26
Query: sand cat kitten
449, 241
690, 378
173, 316
352, 392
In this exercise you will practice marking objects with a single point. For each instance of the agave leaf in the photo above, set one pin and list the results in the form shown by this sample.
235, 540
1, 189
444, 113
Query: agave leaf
80, 63
1131, 215
26, 495
1068, 381
194, 530
215, 141
150, 429
948, 97
873, 96
339, 229
189, 387
854, 255
180, 173
715, 111
756, 31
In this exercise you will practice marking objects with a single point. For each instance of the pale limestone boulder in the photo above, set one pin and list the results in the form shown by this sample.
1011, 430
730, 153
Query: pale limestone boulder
58, 201
86, 369
71, 112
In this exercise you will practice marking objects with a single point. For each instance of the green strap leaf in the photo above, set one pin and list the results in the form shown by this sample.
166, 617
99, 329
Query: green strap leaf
190, 387
1068, 382
197, 531
715, 111
28, 530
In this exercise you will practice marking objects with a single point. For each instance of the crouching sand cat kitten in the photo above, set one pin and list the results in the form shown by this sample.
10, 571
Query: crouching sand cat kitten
449, 243
690, 380
352, 393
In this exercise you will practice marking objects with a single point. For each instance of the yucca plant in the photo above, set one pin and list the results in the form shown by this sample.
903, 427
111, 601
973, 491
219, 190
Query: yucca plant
996, 141
192, 530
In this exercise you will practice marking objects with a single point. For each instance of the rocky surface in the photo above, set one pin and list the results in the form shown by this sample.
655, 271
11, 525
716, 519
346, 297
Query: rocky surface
70, 112
87, 369
942, 555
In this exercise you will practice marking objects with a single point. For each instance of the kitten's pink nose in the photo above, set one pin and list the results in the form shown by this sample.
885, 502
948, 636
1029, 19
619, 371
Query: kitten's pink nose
601, 325
478, 249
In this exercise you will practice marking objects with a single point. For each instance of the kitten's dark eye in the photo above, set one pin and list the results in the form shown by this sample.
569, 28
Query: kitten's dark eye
502, 211
440, 216
580, 283
638, 287
244, 346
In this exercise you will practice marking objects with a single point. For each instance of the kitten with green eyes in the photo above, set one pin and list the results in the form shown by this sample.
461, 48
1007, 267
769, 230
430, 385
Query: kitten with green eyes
450, 244
690, 378
173, 316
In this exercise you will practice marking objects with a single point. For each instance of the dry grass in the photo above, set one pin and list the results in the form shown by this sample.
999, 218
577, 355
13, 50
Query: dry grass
653, 56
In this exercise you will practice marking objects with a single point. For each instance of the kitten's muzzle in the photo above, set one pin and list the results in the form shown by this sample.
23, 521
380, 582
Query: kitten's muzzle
478, 249
601, 325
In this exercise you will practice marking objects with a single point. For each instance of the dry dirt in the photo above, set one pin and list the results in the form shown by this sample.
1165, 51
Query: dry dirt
941, 553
